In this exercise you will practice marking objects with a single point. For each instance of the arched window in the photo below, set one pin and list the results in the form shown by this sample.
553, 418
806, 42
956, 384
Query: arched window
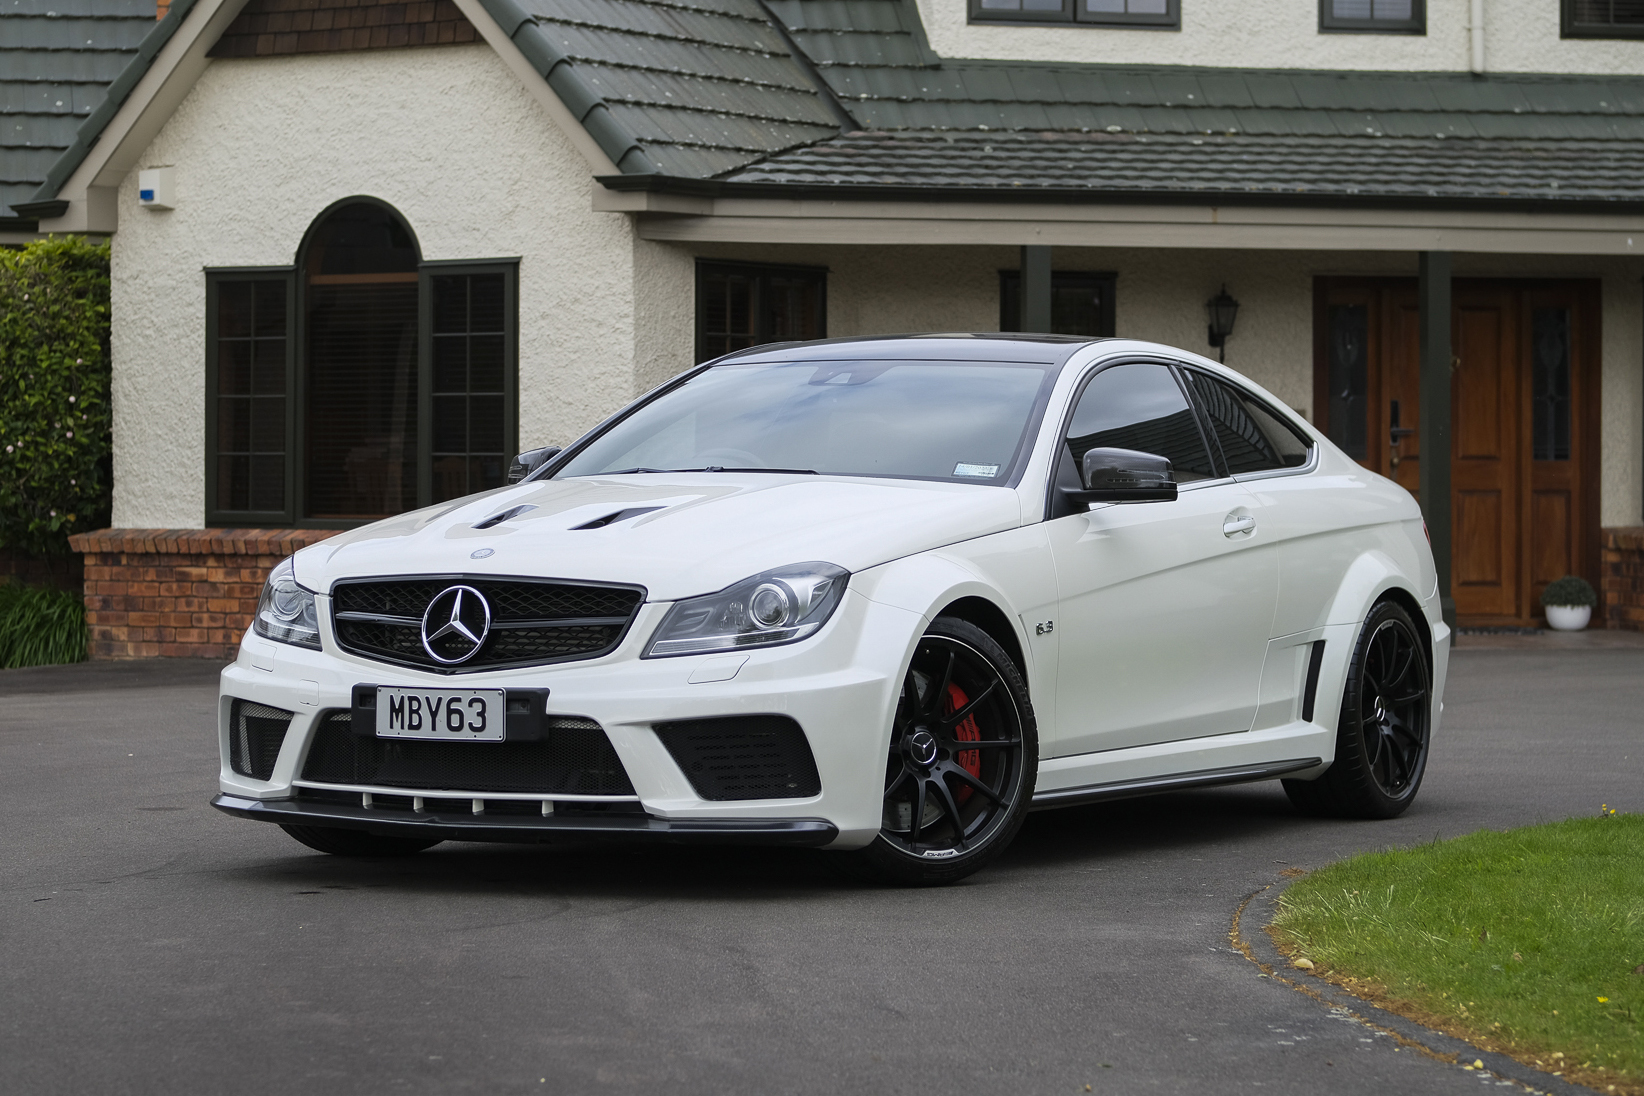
361, 381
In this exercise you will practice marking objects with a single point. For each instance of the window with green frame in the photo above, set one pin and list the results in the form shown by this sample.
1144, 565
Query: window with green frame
361, 382
1155, 14
1373, 16
1602, 18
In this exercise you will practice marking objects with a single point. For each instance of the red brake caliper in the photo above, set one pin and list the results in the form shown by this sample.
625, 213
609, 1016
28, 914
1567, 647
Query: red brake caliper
967, 731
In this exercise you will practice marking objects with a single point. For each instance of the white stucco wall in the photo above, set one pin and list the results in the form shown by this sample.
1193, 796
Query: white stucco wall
1520, 36
446, 135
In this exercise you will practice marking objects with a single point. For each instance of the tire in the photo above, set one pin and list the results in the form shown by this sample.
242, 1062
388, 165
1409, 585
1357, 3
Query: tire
341, 842
1383, 735
960, 688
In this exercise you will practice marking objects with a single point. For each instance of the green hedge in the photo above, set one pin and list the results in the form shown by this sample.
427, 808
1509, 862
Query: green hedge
40, 626
54, 394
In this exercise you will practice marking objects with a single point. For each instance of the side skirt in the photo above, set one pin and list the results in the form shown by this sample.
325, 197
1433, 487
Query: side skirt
1204, 778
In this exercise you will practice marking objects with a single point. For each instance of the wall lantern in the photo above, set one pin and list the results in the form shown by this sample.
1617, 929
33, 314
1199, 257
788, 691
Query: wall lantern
1223, 310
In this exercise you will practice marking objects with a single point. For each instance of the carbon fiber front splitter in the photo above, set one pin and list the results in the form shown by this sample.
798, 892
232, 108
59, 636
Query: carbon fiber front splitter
801, 832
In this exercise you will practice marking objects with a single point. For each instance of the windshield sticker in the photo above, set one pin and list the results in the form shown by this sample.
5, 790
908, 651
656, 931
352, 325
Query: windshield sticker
981, 471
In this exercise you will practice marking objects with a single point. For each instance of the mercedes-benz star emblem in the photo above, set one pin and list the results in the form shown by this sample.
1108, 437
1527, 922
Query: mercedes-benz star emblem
455, 625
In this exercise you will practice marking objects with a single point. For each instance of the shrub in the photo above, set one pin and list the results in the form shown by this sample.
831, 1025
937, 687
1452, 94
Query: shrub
54, 394
1569, 590
40, 626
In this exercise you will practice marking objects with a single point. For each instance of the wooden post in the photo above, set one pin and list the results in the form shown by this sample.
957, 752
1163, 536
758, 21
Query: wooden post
1433, 294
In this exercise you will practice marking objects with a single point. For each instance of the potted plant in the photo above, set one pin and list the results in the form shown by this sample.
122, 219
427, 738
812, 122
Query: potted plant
1569, 603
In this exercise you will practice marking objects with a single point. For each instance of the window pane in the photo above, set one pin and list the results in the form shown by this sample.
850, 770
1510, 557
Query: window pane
234, 366
1245, 446
1550, 383
1349, 326
1139, 407
450, 363
485, 363
362, 399
1402, 10
485, 303
1081, 303
1611, 13
234, 310
1102, 7
1146, 7
268, 370
1351, 9
1291, 446
1001, 5
250, 363
450, 305
470, 421
747, 306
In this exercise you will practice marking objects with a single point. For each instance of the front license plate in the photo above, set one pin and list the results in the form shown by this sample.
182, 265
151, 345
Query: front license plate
442, 715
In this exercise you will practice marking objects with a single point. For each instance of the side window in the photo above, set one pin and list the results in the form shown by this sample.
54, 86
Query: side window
1252, 438
1140, 407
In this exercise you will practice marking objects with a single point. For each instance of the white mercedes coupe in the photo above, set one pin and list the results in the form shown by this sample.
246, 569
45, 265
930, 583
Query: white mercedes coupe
879, 596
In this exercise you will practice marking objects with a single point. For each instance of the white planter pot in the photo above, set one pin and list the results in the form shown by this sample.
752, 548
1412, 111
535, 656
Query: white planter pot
1568, 618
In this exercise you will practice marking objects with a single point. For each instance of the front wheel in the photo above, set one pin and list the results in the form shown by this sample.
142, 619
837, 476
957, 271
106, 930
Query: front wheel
1386, 720
340, 842
964, 752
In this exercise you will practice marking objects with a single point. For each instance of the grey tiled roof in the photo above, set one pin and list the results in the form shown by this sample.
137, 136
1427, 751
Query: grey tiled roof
699, 87
1159, 166
57, 59
845, 96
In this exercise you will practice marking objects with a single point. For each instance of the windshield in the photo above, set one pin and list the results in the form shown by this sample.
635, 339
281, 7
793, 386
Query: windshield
964, 422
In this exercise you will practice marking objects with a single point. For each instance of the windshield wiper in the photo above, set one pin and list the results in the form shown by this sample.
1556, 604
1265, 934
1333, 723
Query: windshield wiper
632, 471
779, 471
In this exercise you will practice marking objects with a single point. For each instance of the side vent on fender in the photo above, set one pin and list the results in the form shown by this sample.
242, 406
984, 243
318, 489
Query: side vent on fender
1311, 693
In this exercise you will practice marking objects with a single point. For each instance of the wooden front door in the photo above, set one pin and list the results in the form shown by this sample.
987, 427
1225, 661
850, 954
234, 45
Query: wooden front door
1524, 429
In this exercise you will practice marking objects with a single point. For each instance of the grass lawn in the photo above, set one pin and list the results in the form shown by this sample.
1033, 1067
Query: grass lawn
1529, 942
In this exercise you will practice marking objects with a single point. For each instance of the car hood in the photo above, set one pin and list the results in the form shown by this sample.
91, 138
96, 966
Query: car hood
707, 530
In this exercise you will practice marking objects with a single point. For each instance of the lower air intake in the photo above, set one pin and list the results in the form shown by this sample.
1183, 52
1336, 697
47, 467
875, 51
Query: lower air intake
743, 757
575, 758
255, 733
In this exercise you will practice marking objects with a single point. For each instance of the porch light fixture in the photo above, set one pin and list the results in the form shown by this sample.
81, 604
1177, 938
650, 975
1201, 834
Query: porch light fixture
1223, 310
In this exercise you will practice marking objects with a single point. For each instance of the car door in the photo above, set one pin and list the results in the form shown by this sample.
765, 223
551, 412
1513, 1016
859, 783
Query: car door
1164, 608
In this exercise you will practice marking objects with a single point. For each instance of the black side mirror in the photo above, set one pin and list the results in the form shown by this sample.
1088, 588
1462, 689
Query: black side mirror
530, 460
1125, 475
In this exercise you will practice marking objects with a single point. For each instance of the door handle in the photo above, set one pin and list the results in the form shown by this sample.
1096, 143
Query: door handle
1234, 524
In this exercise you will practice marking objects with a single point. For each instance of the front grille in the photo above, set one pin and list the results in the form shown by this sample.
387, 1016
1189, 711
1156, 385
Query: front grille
575, 758
255, 732
743, 757
532, 622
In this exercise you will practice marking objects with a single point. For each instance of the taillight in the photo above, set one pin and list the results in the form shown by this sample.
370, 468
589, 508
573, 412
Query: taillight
1426, 534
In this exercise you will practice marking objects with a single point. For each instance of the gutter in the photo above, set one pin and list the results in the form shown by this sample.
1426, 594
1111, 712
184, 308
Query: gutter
709, 189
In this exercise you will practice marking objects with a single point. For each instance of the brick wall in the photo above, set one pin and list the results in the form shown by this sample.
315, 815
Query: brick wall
186, 593
1621, 571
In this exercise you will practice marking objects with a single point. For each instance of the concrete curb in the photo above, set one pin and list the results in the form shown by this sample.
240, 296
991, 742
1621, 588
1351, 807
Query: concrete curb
1248, 933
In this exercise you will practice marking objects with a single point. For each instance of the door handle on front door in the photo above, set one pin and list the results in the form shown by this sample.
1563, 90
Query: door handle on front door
1234, 524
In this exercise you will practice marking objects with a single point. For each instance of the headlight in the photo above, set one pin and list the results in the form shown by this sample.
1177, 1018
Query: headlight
286, 611
780, 606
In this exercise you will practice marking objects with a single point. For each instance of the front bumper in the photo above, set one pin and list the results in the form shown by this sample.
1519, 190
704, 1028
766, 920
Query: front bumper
797, 832
840, 686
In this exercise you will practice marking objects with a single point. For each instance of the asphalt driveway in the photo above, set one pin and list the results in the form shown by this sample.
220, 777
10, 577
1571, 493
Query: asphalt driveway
152, 945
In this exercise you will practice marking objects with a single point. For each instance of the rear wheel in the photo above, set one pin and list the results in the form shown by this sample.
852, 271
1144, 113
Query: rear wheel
341, 842
964, 752
1383, 734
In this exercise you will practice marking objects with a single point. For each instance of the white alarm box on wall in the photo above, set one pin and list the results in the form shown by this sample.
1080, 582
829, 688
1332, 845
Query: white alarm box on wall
157, 187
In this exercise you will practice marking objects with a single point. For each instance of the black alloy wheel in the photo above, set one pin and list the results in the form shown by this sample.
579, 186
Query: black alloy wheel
1383, 736
962, 760
346, 842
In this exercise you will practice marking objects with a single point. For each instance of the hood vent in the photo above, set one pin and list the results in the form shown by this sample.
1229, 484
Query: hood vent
620, 515
498, 519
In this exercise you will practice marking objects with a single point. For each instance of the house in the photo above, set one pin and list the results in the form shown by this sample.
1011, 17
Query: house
57, 59
363, 251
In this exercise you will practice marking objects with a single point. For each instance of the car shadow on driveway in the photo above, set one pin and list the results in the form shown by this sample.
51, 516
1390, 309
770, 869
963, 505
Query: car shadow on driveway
1183, 823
